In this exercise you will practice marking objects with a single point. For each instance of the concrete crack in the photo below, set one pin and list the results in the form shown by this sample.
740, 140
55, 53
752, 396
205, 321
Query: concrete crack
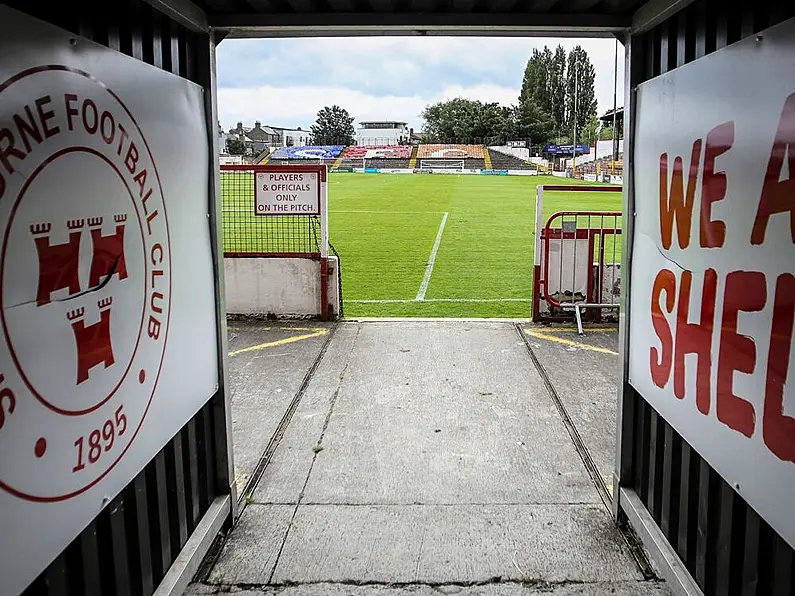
316, 452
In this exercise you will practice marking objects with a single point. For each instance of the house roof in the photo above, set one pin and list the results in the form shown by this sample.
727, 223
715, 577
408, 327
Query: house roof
261, 134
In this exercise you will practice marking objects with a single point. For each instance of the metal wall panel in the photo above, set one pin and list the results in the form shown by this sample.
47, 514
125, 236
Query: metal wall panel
131, 27
128, 548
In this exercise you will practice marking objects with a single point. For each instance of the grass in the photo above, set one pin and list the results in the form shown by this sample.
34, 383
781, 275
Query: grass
384, 228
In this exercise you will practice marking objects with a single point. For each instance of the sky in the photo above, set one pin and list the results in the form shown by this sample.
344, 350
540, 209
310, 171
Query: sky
284, 82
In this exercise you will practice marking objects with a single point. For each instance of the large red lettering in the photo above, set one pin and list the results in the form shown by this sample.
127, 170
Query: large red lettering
675, 205
778, 429
713, 185
746, 291
695, 338
778, 196
660, 360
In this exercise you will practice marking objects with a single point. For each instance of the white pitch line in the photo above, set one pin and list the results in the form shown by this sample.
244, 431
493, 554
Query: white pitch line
431, 261
391, 212
406, 301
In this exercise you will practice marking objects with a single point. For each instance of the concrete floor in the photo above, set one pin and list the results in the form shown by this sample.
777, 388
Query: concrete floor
420, 458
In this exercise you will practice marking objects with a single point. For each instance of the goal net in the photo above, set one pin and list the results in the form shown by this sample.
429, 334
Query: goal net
456, 165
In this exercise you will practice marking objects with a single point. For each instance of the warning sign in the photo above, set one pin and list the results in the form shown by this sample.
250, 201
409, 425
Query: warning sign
287, 192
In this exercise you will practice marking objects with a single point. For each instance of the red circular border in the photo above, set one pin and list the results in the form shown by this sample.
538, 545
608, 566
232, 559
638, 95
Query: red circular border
28, 182
62, 68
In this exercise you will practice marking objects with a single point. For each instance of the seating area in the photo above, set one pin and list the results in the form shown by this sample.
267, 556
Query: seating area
395, 157
438, 151
314, 153
502, 161
378, 152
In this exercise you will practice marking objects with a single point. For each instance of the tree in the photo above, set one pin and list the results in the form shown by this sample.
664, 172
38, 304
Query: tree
606, 133
590, 133
334, 126
462, 120
557, 91
580, 77
544, 83
533, 123
235, 146
536, 83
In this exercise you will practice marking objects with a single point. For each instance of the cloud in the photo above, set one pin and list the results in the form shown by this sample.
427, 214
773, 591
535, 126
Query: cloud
298, 105
286, 81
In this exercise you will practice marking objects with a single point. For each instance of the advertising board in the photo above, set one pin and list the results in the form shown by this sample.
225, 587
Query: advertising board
713, 276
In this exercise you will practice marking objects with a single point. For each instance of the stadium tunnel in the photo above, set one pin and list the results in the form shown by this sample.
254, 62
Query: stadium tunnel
128, 90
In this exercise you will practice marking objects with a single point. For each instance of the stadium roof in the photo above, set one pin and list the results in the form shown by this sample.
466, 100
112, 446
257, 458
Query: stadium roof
317, 18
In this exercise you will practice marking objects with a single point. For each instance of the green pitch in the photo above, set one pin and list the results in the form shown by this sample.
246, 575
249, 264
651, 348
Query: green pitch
385, 228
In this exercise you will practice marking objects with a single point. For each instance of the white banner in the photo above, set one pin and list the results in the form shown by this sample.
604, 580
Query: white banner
712, 287
286, 190
108, 311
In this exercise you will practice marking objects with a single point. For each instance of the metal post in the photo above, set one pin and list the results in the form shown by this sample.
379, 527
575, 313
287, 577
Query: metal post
615, 108
223, 401
574, 116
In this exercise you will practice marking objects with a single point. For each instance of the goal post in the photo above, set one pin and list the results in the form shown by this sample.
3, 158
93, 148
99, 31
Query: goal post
456, 165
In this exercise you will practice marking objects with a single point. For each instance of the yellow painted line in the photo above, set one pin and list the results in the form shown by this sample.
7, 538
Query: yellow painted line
586, 330
339, 160
568, 342
246, 329
240, 481
281, 342
609, 485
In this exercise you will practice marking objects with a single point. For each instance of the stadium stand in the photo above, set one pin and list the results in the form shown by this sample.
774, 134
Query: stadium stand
383, 156
471, 155
313, 153
378, 152
437, 151
502, 161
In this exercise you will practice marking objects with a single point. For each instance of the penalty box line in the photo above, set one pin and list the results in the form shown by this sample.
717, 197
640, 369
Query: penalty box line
426, 279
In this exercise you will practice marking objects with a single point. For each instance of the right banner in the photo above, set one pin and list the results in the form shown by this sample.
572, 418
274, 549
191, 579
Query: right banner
713, 268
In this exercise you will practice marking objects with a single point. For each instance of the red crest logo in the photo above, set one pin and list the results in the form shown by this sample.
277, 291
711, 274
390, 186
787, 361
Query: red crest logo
85, 280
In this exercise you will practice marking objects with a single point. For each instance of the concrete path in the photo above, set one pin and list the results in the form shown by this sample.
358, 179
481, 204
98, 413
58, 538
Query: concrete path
267, 365
422, 458
584, 371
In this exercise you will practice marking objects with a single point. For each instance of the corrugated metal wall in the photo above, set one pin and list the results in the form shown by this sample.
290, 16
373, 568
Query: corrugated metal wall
131, 544
131, 27
128, 548
724, 544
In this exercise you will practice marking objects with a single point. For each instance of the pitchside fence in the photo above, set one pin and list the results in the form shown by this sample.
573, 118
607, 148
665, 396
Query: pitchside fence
252, 230
577, 259
249, 235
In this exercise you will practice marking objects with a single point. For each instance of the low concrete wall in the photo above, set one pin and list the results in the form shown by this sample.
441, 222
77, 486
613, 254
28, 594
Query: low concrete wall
284, 287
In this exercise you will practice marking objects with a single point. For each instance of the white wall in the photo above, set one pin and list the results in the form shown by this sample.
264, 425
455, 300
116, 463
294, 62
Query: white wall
287, 288
299, 138
520, 152
603, 149
381, 136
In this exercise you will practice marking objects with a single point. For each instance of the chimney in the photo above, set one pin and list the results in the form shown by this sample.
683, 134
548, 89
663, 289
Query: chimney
239, 126
257, 124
